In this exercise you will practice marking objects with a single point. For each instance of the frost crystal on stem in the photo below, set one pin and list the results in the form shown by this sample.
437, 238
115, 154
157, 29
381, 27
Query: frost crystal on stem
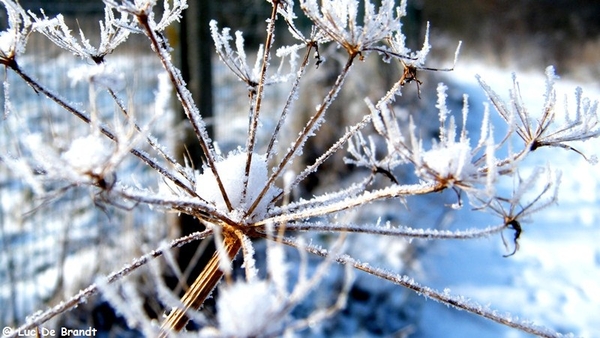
112, 34
544, 131
14, 39
338, 19
240, 198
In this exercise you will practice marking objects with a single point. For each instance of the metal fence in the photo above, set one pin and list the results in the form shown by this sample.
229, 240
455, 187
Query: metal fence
38, 236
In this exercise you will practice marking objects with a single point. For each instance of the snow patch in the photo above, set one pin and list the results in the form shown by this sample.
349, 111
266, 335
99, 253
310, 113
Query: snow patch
87, 154
451, 160
231, 171
248, 309
7, 42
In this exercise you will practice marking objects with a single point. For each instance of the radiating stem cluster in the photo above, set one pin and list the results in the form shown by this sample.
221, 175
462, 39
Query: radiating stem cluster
239, 196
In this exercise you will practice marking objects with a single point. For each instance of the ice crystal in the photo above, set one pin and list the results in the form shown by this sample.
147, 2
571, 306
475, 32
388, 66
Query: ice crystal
339, 20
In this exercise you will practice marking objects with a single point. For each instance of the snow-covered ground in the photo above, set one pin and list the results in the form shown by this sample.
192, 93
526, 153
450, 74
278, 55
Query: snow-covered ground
552, 280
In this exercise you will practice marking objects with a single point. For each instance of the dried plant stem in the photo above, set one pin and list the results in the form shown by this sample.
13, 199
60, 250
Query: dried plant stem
401, 231
91, 290
445, 298
187, 103
202, 286
103, 129
321, 159
251, 141
391, 94
365, 198
152, 142
308, 130
288, 102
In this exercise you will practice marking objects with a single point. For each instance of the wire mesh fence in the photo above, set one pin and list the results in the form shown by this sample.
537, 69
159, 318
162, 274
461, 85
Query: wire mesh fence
39, 237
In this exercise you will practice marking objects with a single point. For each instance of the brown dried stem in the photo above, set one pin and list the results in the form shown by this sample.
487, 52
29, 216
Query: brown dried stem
38, 88
202, 286
187, 103
308, 130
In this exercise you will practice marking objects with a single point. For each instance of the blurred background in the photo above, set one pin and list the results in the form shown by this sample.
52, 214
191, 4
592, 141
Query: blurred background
509, 34
518, 35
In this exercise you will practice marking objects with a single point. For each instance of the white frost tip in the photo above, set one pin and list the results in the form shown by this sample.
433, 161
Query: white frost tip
550, 73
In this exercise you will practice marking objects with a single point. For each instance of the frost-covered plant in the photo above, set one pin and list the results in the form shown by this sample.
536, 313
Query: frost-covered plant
239, 196
112, 34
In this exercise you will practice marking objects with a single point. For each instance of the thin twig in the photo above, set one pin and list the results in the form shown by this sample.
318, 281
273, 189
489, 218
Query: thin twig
308, 131
37, 87
321, 159
457, 302
362, 199
91, 290
196, 206
288, 103
400, 231
251, 140
187, 103
149, 139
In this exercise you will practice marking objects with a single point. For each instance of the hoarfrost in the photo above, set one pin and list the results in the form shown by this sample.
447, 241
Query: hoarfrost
87, 154
247, 309
452, 160
240, 187
231, 170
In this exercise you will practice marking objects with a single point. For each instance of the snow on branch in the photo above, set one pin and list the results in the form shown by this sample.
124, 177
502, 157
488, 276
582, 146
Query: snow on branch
14, 39
544, 131
112, 34
451, 162
339, 20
